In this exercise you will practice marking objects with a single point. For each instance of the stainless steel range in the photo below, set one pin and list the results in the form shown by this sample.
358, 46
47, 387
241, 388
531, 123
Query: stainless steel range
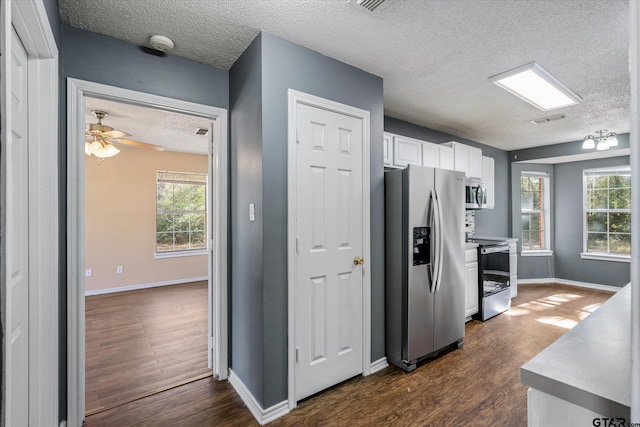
494, 290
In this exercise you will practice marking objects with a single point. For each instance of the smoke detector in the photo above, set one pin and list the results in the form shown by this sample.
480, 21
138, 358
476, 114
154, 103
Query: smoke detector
161, 43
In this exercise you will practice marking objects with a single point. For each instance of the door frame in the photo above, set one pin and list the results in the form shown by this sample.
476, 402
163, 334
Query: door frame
218, 332
32, 26
296, 98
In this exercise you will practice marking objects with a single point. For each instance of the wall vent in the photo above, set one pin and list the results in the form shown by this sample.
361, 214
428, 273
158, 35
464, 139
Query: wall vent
549, 119
201, 131
370, 5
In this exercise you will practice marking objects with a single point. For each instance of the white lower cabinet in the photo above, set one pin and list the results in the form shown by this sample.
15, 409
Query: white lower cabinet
471, 269
513, 268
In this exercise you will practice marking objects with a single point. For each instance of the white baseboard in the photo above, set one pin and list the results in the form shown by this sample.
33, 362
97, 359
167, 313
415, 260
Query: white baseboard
144, 286
263, 416
379, 365
568, 282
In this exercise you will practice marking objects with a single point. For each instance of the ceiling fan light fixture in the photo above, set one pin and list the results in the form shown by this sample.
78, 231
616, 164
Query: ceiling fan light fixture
161, 43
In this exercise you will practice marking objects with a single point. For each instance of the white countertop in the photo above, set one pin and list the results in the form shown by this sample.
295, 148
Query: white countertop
497, 239
590, 365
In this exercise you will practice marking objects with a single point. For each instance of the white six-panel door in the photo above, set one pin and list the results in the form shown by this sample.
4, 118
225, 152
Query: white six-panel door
17, 243
328, 285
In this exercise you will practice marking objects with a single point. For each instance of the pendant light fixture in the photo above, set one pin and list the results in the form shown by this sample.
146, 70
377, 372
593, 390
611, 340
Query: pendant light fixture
601, 141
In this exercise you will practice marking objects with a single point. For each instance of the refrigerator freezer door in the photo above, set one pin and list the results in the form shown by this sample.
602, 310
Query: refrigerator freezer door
420, 299
450, 297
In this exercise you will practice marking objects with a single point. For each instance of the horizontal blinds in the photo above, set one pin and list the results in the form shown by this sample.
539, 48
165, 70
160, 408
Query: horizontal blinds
536, 174
619, 170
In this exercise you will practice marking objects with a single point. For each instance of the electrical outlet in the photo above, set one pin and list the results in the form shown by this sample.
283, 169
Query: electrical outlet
88, 272
252, 211
119, 269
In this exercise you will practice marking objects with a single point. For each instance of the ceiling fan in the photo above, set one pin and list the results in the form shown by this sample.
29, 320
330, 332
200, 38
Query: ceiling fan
101, 139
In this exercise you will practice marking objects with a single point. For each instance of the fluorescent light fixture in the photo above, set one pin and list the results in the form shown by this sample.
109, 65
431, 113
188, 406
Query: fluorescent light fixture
537, 86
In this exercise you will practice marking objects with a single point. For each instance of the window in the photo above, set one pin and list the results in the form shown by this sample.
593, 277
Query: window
534, 196
181, 214
607, 213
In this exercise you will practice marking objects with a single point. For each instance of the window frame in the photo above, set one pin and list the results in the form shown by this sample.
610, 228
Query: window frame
546, 250
183, 252
600, 256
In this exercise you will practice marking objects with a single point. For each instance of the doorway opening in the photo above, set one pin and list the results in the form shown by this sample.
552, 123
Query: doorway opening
147, 216
209, 241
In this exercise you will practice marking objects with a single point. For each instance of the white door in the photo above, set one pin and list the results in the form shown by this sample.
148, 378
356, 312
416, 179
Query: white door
17, 228
329, 284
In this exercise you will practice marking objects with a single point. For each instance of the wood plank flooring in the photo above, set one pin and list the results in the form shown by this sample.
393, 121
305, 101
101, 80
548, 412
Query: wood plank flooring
143, 342
478, 385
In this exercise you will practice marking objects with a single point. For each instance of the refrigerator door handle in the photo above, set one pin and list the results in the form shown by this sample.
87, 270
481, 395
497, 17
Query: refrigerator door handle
435, 259
440, 242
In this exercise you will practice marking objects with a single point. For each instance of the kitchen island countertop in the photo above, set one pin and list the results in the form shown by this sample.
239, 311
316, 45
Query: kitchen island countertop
590, 365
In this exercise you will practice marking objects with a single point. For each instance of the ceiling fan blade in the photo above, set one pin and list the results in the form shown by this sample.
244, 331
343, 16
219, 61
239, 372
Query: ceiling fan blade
94, 127
115, 134
137, 144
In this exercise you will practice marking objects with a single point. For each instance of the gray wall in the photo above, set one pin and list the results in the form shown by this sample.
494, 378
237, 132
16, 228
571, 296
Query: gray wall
568, 227
530, 267
246, 291
285, 65
97, 58
567, 216
557, 150
489, 222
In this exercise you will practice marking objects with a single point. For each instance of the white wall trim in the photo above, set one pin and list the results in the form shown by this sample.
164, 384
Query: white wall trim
32, 26
263, 416
295, 98
378, 365
143, 286
76, 91
548, 280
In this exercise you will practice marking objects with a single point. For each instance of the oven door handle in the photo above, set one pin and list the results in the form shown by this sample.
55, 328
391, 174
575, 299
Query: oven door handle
494, 249
440, 242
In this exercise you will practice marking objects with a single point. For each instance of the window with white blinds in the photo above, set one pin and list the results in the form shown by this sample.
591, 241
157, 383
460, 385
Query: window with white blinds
607, 213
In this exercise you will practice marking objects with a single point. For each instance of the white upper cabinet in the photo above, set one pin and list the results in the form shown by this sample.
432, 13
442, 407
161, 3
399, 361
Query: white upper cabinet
387, 141
445, 156
401, 151
406, 151
488, 177
430, 156
466, 159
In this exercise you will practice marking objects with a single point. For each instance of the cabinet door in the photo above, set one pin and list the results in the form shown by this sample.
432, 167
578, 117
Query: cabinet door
406, 151
430, 155
445, 157
461, 158
387, 141
475, 162
471, 306
489, 179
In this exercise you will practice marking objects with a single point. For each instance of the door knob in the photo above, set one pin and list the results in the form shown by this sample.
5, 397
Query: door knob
358, 261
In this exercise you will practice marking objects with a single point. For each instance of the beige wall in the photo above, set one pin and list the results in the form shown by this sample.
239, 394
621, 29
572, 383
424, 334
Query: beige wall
120, 219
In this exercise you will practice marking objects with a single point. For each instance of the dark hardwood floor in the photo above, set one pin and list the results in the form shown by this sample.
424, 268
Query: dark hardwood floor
478, 385
142, 342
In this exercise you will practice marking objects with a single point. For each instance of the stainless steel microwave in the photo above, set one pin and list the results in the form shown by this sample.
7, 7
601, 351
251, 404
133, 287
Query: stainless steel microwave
475, 194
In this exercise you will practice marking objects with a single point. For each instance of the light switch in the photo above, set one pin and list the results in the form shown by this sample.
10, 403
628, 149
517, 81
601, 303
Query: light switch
252, 211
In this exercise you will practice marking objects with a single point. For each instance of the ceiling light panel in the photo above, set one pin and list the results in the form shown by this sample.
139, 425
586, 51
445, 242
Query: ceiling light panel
537, 86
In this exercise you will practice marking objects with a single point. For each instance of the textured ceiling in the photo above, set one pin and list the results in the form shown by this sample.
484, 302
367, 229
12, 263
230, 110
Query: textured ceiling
173, 131
435, 56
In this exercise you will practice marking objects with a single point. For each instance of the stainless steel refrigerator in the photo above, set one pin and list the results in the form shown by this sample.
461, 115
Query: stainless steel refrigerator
425, 276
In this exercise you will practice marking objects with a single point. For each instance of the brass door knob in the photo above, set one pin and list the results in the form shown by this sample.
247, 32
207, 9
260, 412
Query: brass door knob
358, 261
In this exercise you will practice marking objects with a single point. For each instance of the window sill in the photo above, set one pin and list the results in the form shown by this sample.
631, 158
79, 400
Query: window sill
163, 255
605, 257
543, 252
